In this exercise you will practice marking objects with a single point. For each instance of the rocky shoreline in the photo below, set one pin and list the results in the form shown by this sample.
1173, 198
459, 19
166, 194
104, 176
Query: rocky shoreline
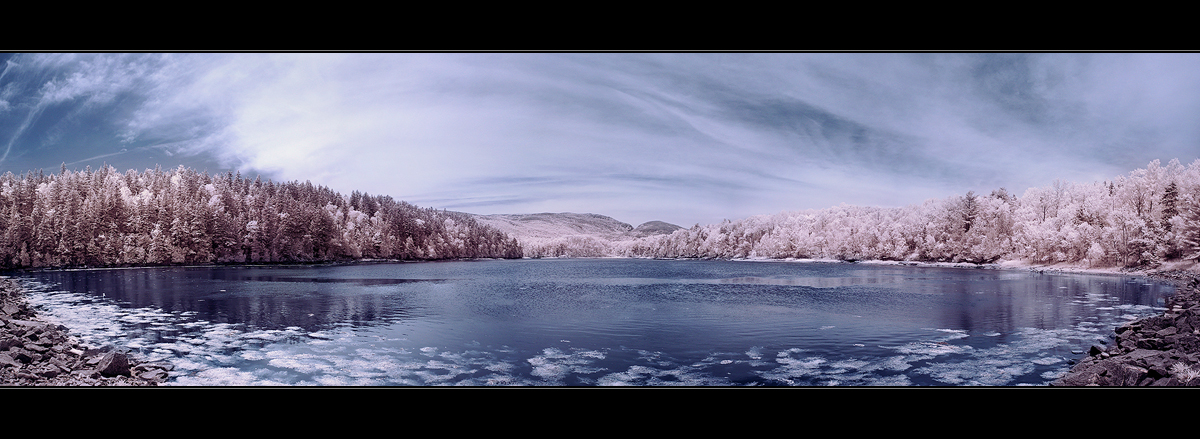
37, 353
1157, 351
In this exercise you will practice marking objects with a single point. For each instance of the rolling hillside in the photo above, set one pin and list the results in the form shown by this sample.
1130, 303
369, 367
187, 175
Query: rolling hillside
570, 234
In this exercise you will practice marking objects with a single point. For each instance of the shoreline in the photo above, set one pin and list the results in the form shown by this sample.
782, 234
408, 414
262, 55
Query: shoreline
1163, 350
1158, 351
1192, 267
36, 353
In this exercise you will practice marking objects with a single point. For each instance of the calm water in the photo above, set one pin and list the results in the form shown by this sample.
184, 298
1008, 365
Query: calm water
585, 322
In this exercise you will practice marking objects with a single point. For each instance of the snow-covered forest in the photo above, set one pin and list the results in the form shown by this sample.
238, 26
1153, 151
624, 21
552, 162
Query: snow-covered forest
108, 218
1137, 220
1142, 219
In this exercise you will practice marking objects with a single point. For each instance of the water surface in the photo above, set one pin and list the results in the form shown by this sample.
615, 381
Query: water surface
585, 322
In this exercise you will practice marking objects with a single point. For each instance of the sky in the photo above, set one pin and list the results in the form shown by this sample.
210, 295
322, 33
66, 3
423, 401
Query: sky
687, 138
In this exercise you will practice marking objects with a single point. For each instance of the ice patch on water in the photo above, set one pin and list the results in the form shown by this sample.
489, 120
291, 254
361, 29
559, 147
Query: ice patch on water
755, 353
794, 371
502, 367
437, 372
890, 381
953, 334
977, 372
842, 366
304, 363
217, 354
638, 375
929, 349
805, 364
1046, 361
228, 376
1030, 350
254, 355
554, 365
1053, 374
667, 373
896, 363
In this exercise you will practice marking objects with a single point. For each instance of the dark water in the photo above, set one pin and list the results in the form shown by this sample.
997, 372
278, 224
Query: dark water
584, 322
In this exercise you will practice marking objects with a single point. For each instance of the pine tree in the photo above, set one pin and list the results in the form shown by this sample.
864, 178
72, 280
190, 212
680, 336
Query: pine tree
103, 217
1168, 240
1190, 235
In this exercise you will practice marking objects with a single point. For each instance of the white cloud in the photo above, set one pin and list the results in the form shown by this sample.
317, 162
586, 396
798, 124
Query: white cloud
681, 137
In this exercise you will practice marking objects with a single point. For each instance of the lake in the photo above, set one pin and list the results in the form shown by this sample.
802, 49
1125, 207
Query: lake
596, 322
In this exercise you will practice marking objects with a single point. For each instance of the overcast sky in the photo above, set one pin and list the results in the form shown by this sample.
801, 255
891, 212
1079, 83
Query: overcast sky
685, 138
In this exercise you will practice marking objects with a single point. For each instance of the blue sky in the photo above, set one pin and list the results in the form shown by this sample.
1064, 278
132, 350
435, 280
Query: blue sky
680, 137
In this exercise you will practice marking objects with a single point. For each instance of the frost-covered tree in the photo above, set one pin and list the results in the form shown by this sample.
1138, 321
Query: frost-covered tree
107, 218
1136, 220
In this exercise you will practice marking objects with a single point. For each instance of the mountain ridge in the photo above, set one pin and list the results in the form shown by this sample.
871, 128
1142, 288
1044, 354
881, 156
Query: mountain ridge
547, 225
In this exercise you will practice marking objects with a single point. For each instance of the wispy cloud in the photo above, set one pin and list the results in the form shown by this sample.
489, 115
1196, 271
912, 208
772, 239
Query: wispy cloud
681, 137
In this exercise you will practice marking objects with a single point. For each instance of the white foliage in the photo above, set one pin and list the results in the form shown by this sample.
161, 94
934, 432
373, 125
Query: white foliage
1118, 222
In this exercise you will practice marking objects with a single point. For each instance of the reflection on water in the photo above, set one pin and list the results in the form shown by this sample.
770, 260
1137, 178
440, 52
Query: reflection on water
264, 298
596, 322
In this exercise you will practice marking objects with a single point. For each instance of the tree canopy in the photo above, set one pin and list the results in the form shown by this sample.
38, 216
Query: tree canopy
1141, 219
107, 218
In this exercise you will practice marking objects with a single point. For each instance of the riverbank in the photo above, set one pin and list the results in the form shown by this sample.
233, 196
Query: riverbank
1159, 351
38, 353
1163, 350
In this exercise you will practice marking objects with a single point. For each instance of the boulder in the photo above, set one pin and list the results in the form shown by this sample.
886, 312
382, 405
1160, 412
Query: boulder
114, 363
7, 360
9, 342
1185, 342
1162, 350
1125, 374
22, 355
156, 375
1149, 343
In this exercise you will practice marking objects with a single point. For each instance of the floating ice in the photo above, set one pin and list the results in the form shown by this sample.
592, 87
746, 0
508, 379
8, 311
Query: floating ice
220, 354
755, 353
555, 365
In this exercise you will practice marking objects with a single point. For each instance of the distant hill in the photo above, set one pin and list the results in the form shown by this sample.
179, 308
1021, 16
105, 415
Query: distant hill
543, 226
654, 228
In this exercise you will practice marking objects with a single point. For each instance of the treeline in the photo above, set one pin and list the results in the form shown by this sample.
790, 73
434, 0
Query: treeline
1145, 218
104, 218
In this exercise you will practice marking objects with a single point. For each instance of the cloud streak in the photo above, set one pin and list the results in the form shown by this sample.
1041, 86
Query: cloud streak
686, 138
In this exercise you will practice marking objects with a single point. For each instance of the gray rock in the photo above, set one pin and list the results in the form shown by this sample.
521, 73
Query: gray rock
114, 363
22, 355
47, 371
7, 360
1147, 352
35, 353
10, 342
156, 375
